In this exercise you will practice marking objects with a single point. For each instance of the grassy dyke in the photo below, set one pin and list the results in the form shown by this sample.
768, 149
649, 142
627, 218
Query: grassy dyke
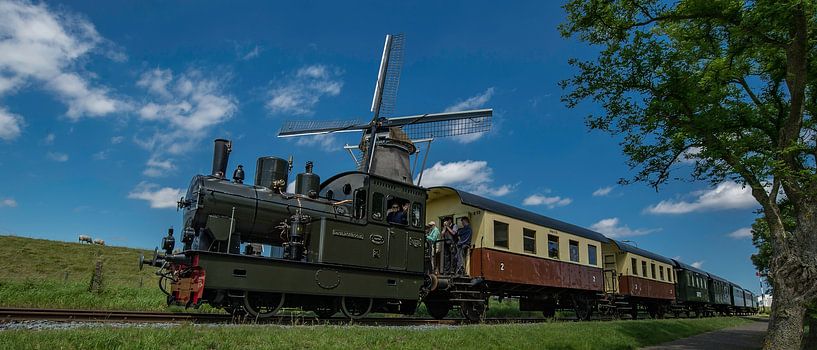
560, 335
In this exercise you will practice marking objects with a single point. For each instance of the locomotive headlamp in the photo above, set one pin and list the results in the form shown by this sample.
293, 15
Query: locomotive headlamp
168, 243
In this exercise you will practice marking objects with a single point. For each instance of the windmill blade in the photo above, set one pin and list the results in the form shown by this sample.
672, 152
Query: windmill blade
316, 127
388, 101
444, 124
388, 76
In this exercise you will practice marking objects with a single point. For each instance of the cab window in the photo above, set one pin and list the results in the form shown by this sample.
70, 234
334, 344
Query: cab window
377, 206
397, 211
416, 215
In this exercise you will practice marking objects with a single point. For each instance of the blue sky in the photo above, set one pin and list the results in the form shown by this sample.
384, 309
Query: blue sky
107, 109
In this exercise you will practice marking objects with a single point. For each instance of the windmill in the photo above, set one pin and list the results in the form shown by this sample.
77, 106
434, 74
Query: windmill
387, 142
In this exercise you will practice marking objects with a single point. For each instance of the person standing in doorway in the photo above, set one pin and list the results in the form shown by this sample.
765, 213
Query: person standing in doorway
463, 243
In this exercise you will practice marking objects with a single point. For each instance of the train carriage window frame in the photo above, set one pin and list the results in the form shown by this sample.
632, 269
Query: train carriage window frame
553, 247
501, 238
652, 270
634, 266
669, 274
378, 202
592, 252
529, 240
573, 249
644, 268
661, 272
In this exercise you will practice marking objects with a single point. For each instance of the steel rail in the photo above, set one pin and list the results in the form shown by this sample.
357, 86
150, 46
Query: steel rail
114, 316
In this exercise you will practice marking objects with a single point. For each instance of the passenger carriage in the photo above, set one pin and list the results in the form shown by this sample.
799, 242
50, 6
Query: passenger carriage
636, 278
693, 288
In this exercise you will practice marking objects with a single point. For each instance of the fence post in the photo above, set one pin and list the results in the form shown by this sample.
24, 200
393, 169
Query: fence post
96, 278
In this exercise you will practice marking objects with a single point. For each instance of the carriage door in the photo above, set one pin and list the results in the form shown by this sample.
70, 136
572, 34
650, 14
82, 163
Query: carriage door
610, 279
398, 238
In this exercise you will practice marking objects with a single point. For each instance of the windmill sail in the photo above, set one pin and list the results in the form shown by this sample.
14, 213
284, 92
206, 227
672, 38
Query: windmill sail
388, 77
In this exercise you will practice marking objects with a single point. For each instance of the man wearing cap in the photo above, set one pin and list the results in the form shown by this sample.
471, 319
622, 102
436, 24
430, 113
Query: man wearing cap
433, 236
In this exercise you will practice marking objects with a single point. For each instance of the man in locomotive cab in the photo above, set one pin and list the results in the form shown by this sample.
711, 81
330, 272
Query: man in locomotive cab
398, 212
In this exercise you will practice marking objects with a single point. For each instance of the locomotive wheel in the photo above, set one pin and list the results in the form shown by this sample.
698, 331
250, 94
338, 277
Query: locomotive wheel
263, 305
473, 311
356, 308
438, 309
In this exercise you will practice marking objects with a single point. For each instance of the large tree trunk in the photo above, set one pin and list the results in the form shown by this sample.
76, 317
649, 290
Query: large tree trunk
794, 272
810, 339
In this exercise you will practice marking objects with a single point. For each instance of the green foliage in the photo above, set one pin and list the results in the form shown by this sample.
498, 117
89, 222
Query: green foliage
561, 335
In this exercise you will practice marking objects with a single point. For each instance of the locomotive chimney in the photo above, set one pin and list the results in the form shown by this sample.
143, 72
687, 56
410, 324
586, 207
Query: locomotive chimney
221, 155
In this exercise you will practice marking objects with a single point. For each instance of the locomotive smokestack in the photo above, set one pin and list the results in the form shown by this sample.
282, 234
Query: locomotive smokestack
221, 155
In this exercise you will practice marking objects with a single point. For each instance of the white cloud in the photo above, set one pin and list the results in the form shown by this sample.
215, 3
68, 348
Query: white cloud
469, 175
550, 202
473, 102
102, 155
326, 142
741, 233
8, 202
726, 195
690, 155
601, 192
11, 125
291, 187
117, 139
157, 168
252, 53
299, 93
49, 139
185, 108
613, 228
164, 197
57, 156
38, 44
697, 264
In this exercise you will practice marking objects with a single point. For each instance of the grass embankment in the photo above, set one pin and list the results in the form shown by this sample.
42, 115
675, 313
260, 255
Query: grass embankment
560, 335
52, 274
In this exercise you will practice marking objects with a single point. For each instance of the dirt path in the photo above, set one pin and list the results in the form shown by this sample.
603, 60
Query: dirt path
748, 336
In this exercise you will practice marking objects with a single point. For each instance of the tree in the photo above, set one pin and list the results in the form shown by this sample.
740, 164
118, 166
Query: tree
761, 239
728, 85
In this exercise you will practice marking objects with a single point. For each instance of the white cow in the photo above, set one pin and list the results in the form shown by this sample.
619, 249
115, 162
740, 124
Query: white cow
86, 239
99, 241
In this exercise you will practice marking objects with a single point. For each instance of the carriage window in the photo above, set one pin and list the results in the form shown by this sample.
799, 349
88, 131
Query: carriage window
574, 251
635, 266
644, 268
529, 240
398, 211
377, 206
500, 234
360, 203
661, 272
553, 246
591, 254
416, 214
669, 274
652, 268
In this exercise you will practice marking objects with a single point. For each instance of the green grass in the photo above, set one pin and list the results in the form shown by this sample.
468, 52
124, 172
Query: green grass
560, 335
51, 274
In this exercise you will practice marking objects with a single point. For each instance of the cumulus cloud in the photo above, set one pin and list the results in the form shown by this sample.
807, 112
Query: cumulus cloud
469, 175
550, 202
697, 264
601, 192
726, 195
8, 202
298, 93
689, 156
326, 142
613, 228
44, 46
473, 102
158, 197
183, 110
741, 233
11, 125
49, 139
117, 140
57, 156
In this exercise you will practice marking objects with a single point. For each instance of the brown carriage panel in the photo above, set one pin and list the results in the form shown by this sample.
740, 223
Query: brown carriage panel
494, 265
646, 288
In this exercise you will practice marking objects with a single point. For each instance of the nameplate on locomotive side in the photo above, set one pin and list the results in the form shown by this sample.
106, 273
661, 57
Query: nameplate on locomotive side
345, 234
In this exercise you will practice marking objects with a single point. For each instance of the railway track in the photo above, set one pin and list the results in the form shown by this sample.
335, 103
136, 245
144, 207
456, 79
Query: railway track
113, 316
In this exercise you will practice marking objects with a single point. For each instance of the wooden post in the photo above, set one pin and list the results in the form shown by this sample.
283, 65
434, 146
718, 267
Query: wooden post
96, 278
